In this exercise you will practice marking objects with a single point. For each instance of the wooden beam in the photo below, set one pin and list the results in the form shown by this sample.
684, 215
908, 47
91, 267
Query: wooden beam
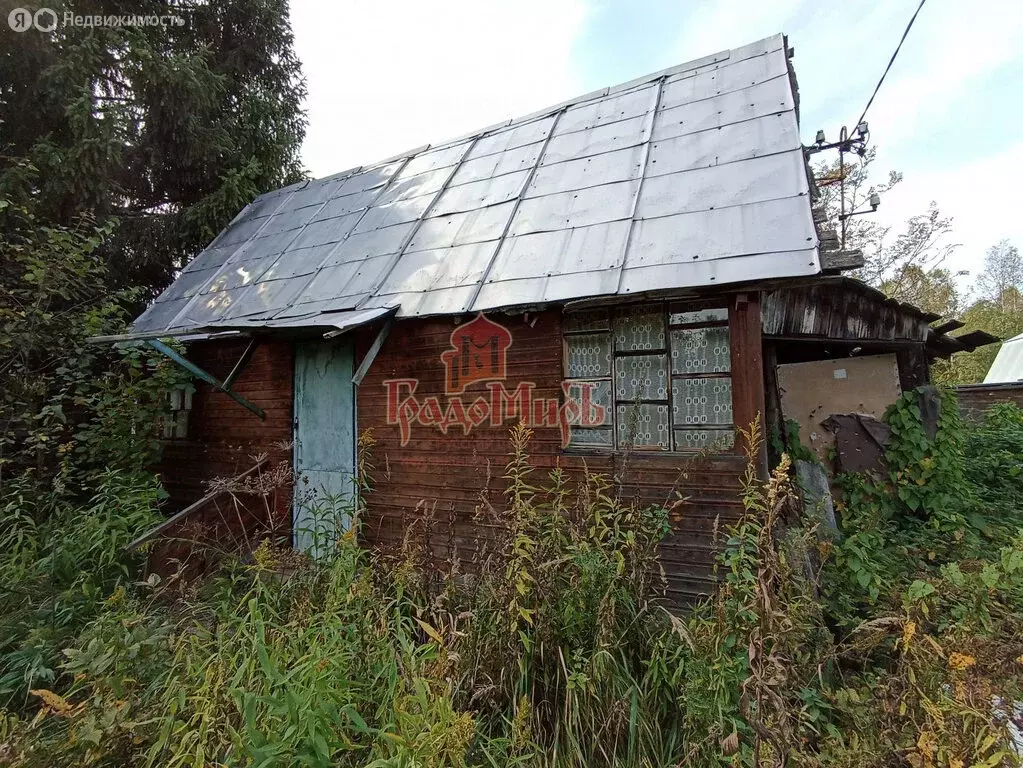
948, 326
146, 336
913, 369
834, 261
772, 396
748, 401
242, 362
371, 355
191, 508
198, 372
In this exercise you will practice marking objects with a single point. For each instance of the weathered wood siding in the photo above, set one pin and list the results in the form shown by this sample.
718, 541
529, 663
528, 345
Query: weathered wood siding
974, 399
445, 474
840, 310
440, 477
223, 436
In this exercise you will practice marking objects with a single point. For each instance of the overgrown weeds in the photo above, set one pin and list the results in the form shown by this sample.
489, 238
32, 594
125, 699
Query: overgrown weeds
553, 646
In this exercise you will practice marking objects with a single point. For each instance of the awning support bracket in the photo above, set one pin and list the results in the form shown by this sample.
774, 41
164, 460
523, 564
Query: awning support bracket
242, 361
199, 373
371, 355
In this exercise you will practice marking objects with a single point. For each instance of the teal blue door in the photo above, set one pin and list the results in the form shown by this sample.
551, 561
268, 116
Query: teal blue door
324, 458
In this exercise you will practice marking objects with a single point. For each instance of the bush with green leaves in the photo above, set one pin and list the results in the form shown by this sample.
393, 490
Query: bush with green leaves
70, 409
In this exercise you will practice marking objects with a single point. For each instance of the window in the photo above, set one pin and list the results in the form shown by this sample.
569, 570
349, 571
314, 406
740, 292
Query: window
661, 371
175, 424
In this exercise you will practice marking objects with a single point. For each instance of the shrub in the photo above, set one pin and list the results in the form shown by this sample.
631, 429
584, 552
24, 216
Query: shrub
58, 563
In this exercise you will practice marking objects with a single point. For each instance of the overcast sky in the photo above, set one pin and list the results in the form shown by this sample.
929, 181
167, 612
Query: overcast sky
385, 76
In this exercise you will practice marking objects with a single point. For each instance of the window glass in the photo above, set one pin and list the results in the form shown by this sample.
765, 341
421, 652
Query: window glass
700, 350
596, 438
644, 425
710, 315
588, 355
701, 401
639, 330
659, 376
175, 424
704, 439
593, 320
641, 377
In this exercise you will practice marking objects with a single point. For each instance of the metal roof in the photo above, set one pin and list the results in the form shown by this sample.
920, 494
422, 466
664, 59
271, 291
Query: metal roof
689, 177
1008, 364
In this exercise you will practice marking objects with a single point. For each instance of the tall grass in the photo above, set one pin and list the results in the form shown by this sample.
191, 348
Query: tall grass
554, 649
58, 562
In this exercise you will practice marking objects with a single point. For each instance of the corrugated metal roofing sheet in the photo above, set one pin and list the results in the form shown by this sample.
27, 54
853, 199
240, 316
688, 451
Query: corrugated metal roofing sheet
689, 177
1008, 364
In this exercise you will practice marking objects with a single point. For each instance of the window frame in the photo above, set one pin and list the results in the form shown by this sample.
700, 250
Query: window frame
666, 308
175, 426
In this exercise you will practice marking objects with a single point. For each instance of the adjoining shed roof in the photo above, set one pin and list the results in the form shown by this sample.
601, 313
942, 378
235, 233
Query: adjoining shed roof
689, 177
1008, 364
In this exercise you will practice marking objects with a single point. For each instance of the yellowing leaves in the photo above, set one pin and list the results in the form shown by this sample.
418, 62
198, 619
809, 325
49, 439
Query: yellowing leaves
959, 662
908, 632
52, 701
433, 633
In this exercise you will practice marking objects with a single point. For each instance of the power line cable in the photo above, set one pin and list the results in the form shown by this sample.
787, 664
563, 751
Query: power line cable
891, 61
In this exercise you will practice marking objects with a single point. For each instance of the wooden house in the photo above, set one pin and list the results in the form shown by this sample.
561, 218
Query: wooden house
628, 273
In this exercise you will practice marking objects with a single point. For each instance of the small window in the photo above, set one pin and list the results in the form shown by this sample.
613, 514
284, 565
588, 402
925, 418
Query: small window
662, 372
175, 424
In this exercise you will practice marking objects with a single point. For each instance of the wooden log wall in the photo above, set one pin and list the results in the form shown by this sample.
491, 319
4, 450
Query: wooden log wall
224, 439
974, 399
431, 485
445, 477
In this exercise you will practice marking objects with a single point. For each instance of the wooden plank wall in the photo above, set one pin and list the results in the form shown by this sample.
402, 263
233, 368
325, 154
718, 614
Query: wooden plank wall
432, 487
974, 399
834, 311
447, 475
223, 436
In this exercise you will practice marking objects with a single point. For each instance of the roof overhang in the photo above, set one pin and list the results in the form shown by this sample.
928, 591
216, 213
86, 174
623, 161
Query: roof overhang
330, 324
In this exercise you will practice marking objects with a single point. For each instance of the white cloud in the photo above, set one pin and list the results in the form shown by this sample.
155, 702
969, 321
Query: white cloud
950, 50
726, 24
391, 75
981, 196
